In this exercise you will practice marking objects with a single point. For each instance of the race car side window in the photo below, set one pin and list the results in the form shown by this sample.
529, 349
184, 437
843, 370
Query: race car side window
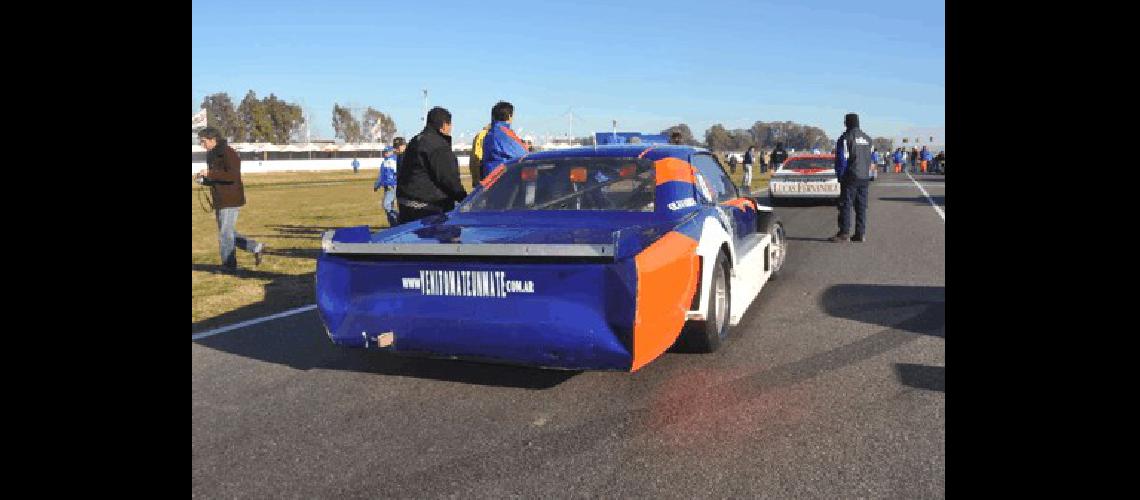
715, 176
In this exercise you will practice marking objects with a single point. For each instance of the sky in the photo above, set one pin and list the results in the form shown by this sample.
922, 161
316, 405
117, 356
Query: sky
581, 64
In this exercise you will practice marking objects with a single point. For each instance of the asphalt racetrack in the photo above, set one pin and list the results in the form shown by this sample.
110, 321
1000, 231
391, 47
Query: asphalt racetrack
832, 386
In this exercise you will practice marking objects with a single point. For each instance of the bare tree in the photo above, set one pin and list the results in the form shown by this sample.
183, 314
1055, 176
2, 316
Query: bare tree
345, 125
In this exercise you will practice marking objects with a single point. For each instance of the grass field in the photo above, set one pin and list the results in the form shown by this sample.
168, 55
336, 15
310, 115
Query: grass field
288, 211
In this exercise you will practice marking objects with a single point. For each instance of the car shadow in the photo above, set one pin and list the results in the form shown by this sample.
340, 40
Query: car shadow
901, 308
881, 305
790, 238
931, 378
300, 342
939, 200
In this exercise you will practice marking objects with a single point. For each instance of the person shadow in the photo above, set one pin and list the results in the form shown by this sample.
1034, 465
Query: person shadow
905, 311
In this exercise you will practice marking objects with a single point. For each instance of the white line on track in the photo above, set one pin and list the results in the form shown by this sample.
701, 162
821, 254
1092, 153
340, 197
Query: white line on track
927, 195
243, 324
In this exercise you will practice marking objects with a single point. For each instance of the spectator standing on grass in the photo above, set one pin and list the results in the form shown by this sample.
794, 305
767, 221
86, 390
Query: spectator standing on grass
853, 167
501, 144
732, 162
749, 159
427, 180
223, 175
475, 163
779, 156
355, 165
387, 181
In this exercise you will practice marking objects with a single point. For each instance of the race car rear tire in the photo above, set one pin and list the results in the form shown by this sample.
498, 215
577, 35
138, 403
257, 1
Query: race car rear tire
778, 251
707, 335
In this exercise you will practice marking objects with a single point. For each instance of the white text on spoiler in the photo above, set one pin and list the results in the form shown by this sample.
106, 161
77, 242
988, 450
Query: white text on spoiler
467, 284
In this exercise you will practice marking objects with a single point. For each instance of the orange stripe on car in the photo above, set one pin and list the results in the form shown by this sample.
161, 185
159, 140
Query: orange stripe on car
667, 274
493, 176
740, 203
673, 169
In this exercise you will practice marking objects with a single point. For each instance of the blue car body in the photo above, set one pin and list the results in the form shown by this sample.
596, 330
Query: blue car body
584, 258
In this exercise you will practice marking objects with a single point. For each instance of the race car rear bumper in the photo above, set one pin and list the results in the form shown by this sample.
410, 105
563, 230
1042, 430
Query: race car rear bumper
568, 315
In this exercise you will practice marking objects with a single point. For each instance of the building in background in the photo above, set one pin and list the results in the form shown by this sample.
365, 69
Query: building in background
934, 138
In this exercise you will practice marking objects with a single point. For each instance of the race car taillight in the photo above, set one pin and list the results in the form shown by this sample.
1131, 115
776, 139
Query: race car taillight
529, 174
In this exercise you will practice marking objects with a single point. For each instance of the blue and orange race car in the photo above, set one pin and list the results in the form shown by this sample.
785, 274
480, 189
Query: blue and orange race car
594, 258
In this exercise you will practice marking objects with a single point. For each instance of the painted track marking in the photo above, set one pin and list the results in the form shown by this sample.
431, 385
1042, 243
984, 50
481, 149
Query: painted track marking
927, 195
243, 324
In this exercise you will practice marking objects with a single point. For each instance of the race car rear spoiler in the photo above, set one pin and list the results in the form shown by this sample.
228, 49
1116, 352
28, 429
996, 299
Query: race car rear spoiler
468, 249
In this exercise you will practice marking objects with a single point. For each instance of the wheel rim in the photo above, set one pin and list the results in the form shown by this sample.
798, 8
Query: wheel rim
778, 244
721, 303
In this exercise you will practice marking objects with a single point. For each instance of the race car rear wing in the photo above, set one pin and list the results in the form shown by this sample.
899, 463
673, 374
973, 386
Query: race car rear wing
468, 249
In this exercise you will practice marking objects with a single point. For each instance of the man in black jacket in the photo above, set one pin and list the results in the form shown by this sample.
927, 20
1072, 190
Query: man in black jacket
853, 167
427, 181
779, 156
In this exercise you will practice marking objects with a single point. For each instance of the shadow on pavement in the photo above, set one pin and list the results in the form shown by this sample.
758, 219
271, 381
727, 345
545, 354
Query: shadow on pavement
282, 292
300, 342
930, 378
881, 305
939, 199
888, 306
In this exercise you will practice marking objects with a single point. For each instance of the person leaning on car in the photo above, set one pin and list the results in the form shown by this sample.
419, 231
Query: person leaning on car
427, 180
223, 175
853, 167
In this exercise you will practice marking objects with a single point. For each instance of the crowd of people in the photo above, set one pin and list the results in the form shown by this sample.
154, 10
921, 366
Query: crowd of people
915, 161
420, 177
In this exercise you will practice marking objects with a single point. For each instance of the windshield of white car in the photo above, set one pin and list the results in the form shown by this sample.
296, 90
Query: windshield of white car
809, 164
569, 184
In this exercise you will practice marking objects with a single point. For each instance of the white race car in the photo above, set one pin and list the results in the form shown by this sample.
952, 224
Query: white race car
805, 177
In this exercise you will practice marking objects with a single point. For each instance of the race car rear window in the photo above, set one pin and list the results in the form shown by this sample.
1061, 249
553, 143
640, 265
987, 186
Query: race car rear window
809, 163
570, 184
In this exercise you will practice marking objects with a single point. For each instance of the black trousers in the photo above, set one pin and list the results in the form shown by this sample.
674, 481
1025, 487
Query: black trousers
409, 214
853, 194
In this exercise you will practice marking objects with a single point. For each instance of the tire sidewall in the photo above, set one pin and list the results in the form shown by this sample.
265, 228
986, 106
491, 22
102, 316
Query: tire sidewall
713, 336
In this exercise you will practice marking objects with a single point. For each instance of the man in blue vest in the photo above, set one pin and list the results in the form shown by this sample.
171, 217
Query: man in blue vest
501, 144
853, 167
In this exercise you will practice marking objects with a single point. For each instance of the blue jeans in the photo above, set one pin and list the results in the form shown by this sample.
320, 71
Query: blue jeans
389, 205
228, 237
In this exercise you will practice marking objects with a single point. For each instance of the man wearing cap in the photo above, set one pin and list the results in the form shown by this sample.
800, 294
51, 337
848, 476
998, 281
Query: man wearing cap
853, 167
387, 181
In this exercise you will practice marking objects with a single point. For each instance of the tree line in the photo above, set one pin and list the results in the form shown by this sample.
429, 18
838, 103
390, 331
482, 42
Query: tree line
276, 121
764, 135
